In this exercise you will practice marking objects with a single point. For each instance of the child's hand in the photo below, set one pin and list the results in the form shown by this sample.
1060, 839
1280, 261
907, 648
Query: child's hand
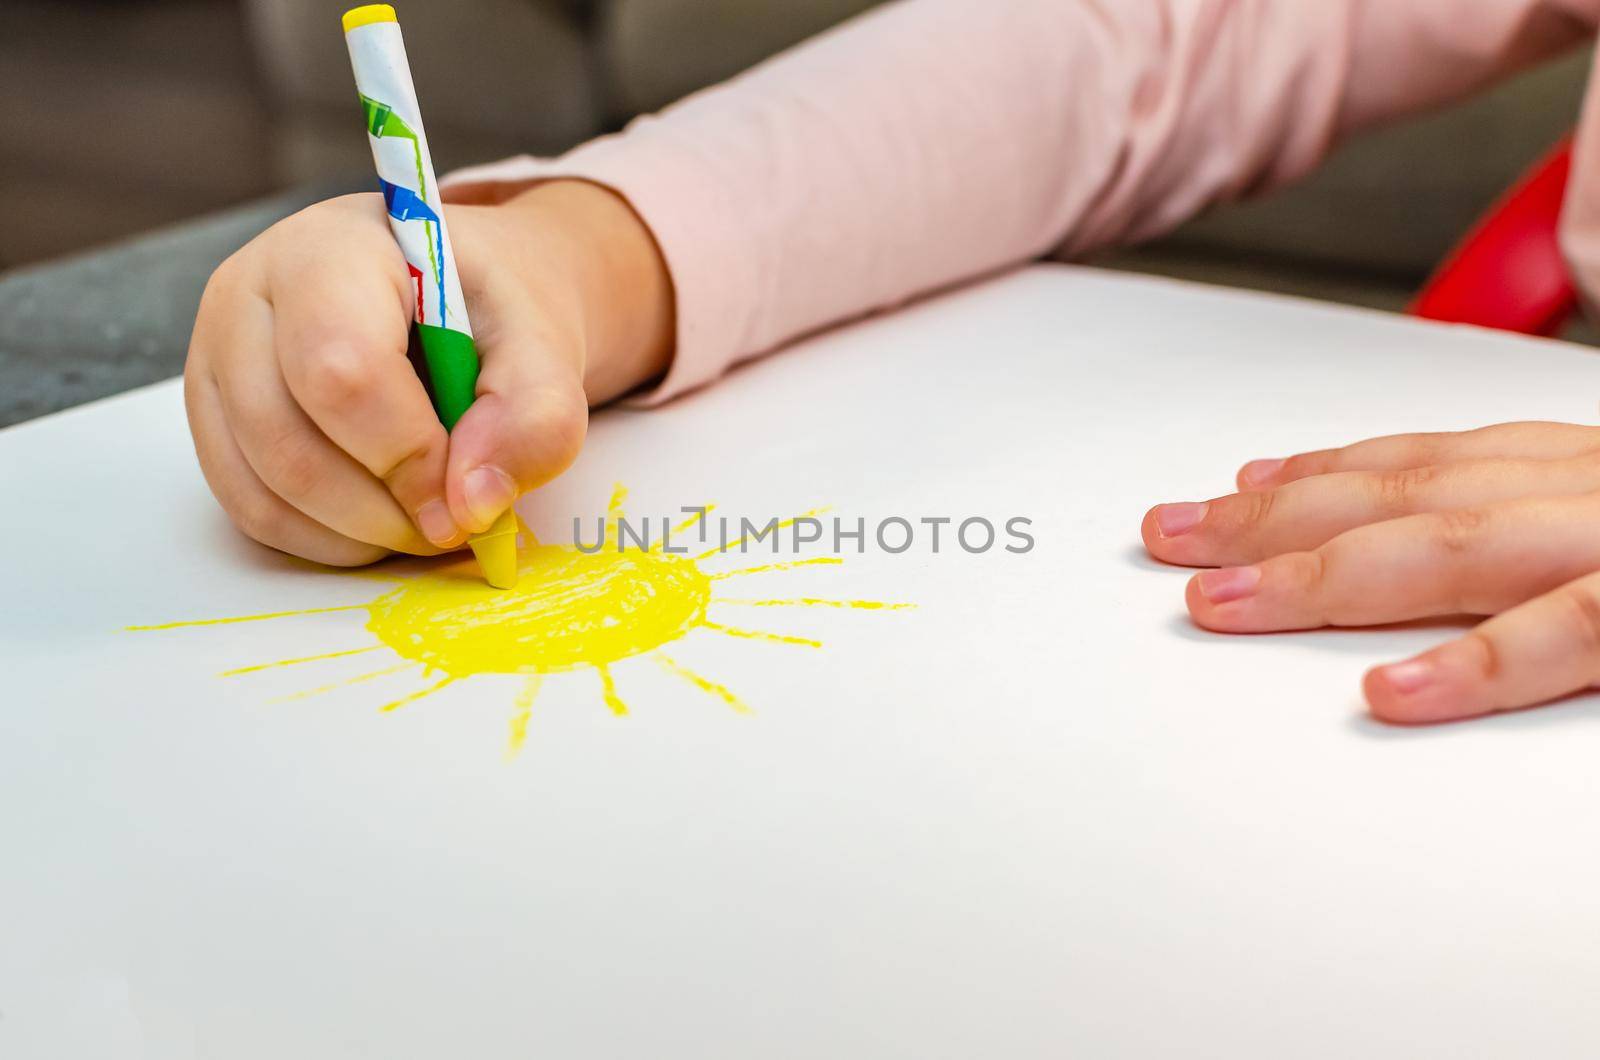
314, 430
1501, 521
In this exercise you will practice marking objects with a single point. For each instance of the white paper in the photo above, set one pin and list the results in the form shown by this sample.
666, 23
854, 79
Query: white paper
1038, 815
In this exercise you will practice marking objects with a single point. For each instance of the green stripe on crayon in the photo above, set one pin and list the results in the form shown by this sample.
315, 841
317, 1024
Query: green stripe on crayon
383, 121
452, 370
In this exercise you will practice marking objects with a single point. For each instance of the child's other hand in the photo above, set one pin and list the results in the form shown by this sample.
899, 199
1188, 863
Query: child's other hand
1501, 521
311, 425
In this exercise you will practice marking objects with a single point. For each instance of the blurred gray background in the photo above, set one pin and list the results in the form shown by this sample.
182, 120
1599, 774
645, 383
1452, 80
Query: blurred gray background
122, 117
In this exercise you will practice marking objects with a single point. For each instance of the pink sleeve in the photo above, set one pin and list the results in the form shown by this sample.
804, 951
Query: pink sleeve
931, 141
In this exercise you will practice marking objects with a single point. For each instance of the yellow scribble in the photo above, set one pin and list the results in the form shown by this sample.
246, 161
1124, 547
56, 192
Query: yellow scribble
813, 601
608, 692
523, 706
418, 694
258, 667
293, 697
705, 684
569, 610
245, 618
683, 527
761, 634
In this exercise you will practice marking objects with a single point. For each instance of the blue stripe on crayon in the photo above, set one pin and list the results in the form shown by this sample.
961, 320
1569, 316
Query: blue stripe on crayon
404, 204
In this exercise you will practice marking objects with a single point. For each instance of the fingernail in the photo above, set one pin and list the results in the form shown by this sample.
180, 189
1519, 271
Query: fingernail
1229, 583
489, 492
1258, 471
433, 519
1410, 676
1176, 519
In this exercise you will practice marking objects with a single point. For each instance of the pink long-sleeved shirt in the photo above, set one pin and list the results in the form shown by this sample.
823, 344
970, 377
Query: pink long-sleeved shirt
931, 141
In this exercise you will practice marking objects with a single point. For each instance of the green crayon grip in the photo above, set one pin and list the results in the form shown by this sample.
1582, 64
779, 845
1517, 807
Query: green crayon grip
452, 361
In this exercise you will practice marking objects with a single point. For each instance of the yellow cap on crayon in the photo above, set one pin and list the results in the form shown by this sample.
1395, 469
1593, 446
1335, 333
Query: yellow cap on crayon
367, 15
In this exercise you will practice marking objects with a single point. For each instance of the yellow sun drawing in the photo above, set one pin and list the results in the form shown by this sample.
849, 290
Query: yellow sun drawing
569, 610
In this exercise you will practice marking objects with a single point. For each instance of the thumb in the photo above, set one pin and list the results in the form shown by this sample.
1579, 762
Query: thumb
524, 428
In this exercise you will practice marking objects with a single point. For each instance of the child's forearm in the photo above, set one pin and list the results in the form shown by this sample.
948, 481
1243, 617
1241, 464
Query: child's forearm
933, 141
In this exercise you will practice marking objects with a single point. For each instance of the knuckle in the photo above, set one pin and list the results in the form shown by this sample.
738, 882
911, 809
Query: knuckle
1510, 430
342, 214
222, 288
224, 278
1582, 618
417, 458
289, 227
1304, 465
257, 518
1309, 570
1429, 447
1397, 491
1253, 510
292, 465
1457, 531
337, 372
1486, 653
360, 203
559, 422
1300, 580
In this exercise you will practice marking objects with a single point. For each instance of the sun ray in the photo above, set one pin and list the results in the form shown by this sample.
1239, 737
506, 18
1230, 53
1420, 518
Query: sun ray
302, 659
612, 523
524, 709
814, 561
705, 684
687, 524
244, 618
739, 541
335, 686
413, 697
608, 690
760, 634
814, 601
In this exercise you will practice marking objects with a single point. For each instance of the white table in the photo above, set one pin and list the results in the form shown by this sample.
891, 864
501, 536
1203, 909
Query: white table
1039, 815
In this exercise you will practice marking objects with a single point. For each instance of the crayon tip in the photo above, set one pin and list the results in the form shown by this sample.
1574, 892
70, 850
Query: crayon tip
496, 549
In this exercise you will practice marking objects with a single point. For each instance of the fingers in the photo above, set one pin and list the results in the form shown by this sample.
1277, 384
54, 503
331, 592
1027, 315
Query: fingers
1546, 648
284, 449
528, 421
257, 511
1474, 561
1529, 440
1493, 521
340, 336
1304, 513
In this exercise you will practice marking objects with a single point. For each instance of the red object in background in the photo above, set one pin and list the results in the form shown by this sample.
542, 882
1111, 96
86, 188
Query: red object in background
1508, 273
